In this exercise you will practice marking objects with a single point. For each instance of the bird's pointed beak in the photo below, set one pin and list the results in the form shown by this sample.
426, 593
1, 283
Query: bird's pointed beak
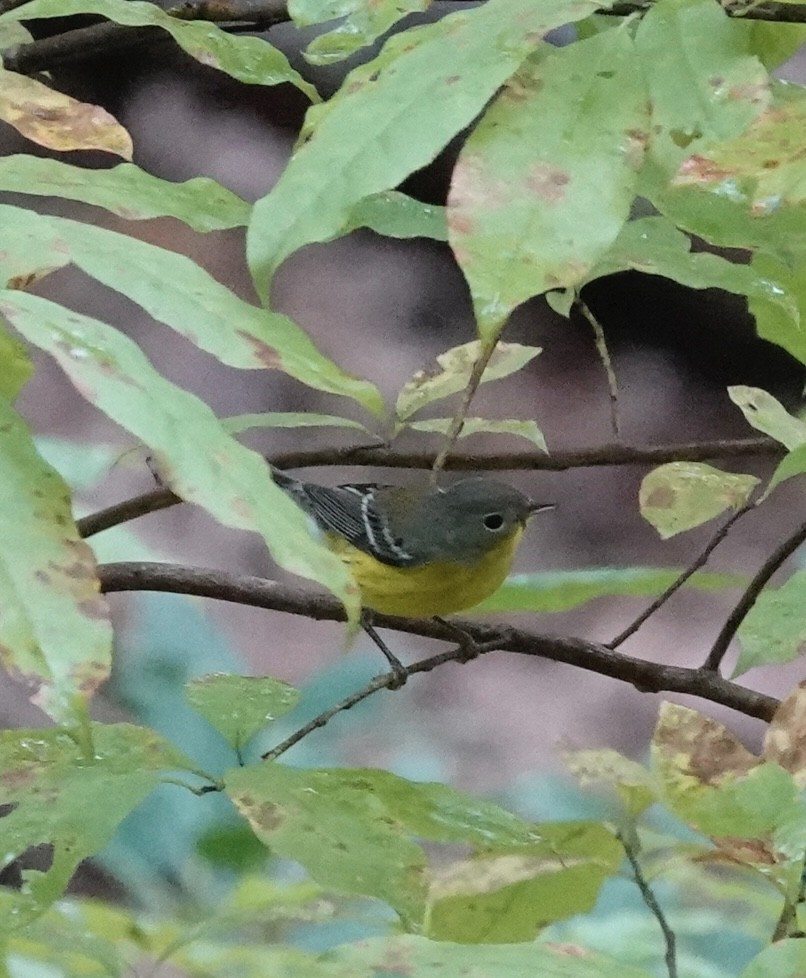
535, 508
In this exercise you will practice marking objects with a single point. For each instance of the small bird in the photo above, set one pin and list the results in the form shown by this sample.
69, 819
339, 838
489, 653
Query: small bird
419, 552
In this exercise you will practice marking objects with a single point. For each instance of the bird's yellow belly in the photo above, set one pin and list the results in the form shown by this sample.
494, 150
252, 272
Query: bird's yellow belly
441, 588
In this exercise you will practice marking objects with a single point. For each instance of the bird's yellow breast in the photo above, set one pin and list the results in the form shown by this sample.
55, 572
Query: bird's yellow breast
440, 588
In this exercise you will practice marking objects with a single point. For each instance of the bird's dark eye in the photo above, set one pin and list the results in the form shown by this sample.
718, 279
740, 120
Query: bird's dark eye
493, 521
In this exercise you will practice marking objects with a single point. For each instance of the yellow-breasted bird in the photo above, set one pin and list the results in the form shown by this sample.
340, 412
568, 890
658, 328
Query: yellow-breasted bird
419, 552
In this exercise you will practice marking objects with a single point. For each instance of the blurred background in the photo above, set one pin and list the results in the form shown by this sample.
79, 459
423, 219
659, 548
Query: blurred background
383, 309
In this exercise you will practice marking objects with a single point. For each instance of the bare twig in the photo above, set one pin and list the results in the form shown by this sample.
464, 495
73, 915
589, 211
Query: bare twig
649, 898
770, 10
675, 586
607, 363
750, 596
257, 592
457, 423
382, 457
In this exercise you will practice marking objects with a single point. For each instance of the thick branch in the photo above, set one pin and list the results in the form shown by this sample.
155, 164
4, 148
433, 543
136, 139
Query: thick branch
750, 596
258, 592
558, 461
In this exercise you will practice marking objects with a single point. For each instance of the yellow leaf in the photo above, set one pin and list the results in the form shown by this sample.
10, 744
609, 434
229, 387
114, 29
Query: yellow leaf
57, 121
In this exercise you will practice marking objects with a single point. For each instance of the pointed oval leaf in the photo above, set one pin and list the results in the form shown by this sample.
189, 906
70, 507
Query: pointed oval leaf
681, 495
388, 109
204, 465
127, 191
776, 321
486, 426
240, 706
452, 375
56, 121
396, 215
249, 59
55, 632
541, 190
631, 781
287, 419
176, 291
765, 413
774, 630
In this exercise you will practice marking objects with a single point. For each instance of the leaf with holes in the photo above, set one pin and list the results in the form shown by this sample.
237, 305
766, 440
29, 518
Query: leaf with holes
765, 413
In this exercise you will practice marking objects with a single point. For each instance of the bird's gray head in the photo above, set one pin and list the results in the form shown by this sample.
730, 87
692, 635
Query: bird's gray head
475, 514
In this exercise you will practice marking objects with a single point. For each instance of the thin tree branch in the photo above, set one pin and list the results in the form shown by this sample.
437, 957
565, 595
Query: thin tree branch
646, 676
607, 363
458, 420
383, 457
649, 898
781, 13
675, 586
750, 596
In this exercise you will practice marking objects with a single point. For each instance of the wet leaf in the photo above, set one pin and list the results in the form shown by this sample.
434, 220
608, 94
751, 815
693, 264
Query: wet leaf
240, 706
395, 215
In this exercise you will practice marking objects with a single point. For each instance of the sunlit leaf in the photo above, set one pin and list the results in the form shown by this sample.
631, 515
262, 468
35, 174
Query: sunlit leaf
55, 631
239, 706
56, 121
562, 590
485, 426
681, 495
774, 630
71, 801
206, 465
252, 60
127, 191
454, 368
388, 108
178, 292
533, 206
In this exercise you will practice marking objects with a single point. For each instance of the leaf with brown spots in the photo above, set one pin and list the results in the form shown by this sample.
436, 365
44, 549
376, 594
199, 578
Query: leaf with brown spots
544, 183
681, 495
54, 120
55, 632
785, 739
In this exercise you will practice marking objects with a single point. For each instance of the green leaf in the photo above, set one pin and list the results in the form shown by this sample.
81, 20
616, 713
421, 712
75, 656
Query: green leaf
354, 830
453, 374
205, 465
55, 632
654, 246
72, 801
681, 495
559, 591
504, 897
774, 630
766, 414
286, 419
176, 291
249, 59
783, 959
533, 204
388, 109
57, 121
632, 782
363, 23
395, 215
774, 43
15, 366
705, 85
239, 706
486, 426
412, 955
127, 191
792, 464
712, 782
776, 322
